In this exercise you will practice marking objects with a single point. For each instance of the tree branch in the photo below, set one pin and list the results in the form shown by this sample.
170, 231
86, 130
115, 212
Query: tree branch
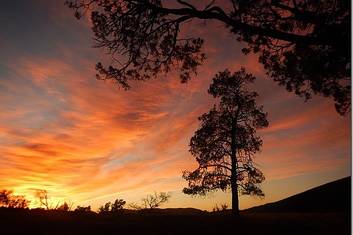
186, 4
218, 14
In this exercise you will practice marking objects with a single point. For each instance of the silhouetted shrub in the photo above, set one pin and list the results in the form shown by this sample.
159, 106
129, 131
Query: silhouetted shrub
105, 208
117, 206
64, 207
222, 207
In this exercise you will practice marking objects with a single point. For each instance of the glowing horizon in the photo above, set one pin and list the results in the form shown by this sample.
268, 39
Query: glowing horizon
89, 142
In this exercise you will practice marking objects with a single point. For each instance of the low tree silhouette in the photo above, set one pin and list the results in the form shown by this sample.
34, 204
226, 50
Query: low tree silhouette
222, 207
151, 201
116, 206
226, 142
44, 201
42, 196
155, 200
135, 206
65, 207
7, 199
304, 45
105, 208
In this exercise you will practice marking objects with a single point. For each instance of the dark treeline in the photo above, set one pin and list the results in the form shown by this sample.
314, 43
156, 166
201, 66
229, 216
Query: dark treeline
10, 201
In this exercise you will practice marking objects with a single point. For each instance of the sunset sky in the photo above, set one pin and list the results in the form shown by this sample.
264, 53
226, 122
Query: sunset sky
89, 142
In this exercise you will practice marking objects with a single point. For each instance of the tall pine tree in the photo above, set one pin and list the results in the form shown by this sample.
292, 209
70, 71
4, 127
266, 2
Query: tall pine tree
226, 142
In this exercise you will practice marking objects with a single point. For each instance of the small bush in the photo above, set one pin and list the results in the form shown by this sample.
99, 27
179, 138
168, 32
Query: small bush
64, 207
117, 206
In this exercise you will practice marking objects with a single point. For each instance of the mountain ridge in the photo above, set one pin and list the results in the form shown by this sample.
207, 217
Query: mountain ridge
334, 196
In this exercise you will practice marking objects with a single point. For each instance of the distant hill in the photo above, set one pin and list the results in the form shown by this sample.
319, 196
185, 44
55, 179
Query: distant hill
331, 197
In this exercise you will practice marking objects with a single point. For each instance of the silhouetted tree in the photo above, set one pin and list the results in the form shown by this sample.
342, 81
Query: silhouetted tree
43, 198
18, 201
7, 199
118, 205
151, 201
155, 200
303, 44
105, 208
226, 142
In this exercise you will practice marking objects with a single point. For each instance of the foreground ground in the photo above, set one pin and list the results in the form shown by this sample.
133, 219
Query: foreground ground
56, 222
322, 210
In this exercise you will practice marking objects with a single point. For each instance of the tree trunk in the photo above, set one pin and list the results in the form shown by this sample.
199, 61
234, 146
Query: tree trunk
234, 185
233, 179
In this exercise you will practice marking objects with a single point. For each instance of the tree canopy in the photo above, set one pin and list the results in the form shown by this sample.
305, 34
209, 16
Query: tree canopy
7, 199
226, 142
304, 45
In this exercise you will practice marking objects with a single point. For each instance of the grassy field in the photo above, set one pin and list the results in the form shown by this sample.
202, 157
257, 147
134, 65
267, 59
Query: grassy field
56, 222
